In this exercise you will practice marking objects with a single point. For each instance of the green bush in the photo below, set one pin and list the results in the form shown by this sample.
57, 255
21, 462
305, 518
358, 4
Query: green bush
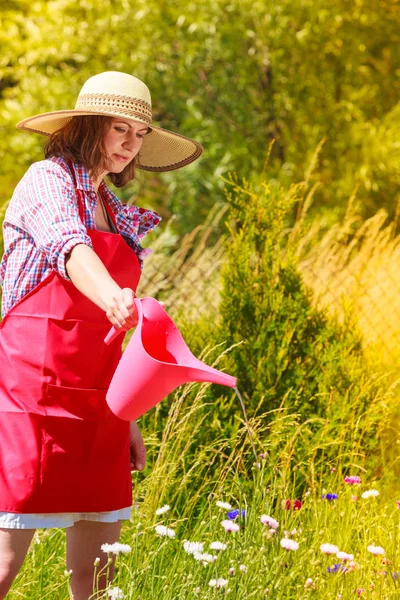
292, 361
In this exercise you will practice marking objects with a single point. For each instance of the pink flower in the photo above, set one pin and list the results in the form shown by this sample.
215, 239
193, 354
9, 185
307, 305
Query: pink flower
230, 525
272, 523
289, 544
377, 550
354, 498
398, 503
344, 556
329, 548
352, 479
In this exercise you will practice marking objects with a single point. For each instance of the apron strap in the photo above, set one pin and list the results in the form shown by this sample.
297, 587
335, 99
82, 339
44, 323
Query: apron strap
79, 193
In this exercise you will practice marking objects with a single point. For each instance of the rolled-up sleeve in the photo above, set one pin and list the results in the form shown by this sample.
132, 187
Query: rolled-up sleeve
49, 213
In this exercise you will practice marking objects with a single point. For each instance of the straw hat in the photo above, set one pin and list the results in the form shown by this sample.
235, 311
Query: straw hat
115, 94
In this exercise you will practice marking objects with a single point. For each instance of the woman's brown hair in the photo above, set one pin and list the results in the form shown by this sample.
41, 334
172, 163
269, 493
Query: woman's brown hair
82, 140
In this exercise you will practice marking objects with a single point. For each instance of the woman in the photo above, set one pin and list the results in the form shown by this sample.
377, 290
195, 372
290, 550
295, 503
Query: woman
71, 265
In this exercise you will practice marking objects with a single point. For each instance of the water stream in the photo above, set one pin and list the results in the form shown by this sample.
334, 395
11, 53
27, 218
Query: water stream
247, 422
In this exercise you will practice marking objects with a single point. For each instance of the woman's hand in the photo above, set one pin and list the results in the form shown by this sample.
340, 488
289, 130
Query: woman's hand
138, 451
122, 311
90, 276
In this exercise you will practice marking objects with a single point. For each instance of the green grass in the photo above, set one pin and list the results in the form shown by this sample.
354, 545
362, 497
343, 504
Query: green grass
191, 476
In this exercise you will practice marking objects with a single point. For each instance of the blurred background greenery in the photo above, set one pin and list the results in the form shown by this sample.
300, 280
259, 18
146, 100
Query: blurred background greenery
234, 74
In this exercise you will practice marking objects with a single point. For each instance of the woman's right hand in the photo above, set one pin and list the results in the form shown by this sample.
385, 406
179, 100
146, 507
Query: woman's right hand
90, 276
121, 311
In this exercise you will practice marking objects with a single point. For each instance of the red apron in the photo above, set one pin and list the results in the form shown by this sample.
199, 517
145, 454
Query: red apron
61, 448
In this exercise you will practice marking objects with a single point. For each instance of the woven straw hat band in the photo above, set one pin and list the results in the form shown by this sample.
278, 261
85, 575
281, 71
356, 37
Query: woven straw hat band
129, 107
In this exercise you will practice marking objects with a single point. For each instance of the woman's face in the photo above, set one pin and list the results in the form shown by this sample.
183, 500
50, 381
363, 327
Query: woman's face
122, 142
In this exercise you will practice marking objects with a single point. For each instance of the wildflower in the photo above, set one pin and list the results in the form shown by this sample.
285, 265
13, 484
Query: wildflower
224, 505
115, 593
163, 509
218, 583
230, 526
231, 571
398, 503
164, 531
68, 573
233, 514
354, 498
217, 546
289, 544
96, 562
309, 582
192, 547
287, 504
272, 523
272, 532
243, 568
359, 591
329, 548
116, 548
352, 479
330, 496
377, 550
344, 556
205, 558
370, 493
337, 568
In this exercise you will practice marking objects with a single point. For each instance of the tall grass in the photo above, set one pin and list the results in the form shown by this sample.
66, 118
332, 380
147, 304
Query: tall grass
353, 269
190, 477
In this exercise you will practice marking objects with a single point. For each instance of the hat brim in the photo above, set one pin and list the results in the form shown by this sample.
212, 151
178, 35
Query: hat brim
162, 150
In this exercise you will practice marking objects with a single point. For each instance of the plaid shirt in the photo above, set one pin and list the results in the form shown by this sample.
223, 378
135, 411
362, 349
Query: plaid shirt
42, 225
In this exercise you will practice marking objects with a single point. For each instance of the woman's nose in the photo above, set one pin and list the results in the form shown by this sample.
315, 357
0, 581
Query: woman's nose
132, 141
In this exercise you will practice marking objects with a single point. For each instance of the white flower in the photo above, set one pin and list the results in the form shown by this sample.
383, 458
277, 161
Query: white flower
205, 558
230, 525
116, 548
218, 583
344, 556
164, 531
309, 582
163, 509
329, 548
375, 549
370, 493
224, 505
243, 568
272, 523
115, 593
192, 547
217, 546
289, 544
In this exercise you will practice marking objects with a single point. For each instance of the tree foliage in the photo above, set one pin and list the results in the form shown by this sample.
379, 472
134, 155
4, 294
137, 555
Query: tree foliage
234, 74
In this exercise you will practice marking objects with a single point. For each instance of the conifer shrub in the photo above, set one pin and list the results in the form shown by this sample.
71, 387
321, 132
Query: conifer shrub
289, 356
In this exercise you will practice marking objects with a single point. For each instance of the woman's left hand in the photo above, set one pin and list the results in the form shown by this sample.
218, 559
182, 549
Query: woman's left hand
138, 451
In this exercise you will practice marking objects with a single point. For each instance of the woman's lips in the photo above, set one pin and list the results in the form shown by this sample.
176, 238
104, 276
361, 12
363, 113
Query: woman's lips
122, 158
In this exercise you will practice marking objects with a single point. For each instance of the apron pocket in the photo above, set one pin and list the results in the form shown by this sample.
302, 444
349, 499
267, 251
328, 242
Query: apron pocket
76, 403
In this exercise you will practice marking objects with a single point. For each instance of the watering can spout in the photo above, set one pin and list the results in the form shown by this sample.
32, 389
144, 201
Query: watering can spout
204, 373
155, 362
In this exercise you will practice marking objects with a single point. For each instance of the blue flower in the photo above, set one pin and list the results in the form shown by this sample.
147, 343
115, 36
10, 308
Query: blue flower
336, 568
232, 514
330, 496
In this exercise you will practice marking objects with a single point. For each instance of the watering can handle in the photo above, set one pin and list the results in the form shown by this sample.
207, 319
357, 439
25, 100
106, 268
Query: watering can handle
114, 332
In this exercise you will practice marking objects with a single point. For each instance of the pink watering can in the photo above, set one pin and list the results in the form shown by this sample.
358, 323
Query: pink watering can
155, 362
